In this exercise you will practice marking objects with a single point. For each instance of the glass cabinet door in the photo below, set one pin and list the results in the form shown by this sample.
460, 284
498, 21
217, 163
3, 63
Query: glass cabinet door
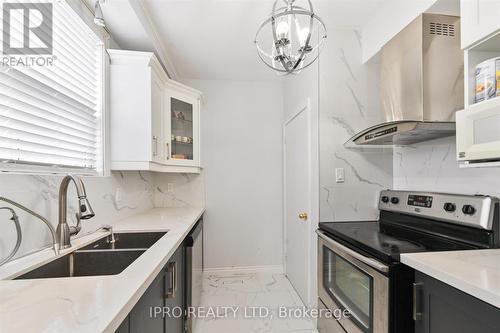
182, 117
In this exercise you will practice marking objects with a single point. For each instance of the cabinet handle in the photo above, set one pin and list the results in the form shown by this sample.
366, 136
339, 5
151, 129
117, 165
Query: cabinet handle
172, 289
155, 139
175, 279
417, 289
168, 150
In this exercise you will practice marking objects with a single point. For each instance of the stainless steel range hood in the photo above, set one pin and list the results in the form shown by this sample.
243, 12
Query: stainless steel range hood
422, 83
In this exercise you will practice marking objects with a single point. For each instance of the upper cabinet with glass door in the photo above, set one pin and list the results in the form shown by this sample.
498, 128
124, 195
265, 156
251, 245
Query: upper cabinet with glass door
154, 120
182, 114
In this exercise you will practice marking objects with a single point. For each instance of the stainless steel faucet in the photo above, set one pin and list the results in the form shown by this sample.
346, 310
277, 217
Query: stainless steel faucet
108, 227
85, 212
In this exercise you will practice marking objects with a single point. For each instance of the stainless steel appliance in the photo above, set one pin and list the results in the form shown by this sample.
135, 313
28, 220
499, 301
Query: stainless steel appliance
194, 271
358, 262
422, 83
350, 280
478, 134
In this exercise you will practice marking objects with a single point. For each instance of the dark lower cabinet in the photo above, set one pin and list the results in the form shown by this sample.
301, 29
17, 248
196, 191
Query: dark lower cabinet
440, 308
175, 287
167, 292
141, 318
124, 327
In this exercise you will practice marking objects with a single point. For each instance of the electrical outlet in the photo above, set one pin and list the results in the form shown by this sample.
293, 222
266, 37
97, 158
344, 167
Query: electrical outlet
339, 175
170, 188
119, 194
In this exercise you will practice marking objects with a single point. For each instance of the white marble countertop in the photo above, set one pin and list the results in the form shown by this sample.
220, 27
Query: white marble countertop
475, 272
90, 304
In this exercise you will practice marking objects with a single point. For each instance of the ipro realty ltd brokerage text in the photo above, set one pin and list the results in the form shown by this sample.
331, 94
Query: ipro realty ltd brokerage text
220, 312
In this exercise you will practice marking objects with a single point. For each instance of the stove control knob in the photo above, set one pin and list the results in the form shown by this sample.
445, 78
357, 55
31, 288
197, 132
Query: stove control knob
450, 207
468, 210
395, 200
385, 199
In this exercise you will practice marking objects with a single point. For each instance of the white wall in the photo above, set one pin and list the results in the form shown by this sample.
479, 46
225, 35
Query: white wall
344, 100
242, 160
432, 166
349, 102
393, 16
346, 93
140, 191
188, 190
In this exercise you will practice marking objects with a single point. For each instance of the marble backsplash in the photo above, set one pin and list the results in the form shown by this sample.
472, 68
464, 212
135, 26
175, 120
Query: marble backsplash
349, 103
432, 166
138, 192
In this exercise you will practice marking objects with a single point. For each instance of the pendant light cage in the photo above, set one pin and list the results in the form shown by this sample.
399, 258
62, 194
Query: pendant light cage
291, 39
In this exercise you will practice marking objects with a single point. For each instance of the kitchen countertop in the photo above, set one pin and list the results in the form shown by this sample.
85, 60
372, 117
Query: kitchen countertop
90, 304
475, 272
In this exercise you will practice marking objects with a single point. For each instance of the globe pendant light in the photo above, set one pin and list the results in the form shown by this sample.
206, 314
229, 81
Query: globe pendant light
289, 34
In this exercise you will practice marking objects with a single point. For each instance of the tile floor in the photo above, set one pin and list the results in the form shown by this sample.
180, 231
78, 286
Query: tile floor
246, 291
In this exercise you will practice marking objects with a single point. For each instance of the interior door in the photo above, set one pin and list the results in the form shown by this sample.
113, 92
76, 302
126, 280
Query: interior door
297, 202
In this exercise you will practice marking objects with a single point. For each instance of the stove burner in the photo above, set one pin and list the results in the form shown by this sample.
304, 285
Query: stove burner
395, 245
400, 242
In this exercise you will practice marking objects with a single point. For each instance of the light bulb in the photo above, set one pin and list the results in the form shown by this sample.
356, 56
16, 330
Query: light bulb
304, 47
303, 34
98, 16
282, 30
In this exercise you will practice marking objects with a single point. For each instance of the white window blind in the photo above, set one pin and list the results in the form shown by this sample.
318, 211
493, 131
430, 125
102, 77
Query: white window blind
51, 116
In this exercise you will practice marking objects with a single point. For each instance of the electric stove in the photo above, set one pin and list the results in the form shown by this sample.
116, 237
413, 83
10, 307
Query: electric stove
359, 261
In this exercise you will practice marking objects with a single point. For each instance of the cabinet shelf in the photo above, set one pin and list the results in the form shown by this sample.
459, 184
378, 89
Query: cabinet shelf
182, 120
489, 103
182, 143
476, 54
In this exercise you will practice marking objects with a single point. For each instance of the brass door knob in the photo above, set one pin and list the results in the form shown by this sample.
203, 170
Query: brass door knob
303, 216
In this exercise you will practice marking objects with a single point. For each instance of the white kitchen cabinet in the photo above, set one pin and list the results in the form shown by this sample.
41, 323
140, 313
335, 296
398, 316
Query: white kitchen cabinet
479, 19
143, 102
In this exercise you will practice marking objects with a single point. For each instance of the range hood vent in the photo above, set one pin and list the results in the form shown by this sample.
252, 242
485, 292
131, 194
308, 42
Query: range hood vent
404, 133
422, 84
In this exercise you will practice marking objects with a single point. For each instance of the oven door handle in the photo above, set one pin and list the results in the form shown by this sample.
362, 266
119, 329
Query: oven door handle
368, 261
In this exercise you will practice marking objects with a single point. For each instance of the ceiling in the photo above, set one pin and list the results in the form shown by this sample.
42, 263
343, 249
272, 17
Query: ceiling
213, 39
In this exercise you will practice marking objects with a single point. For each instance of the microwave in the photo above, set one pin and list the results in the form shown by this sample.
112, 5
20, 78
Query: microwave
478, 134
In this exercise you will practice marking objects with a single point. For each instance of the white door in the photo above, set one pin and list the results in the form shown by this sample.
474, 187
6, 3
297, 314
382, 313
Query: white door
297, 202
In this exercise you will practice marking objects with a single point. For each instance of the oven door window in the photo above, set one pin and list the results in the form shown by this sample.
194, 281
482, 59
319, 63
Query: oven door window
350, 287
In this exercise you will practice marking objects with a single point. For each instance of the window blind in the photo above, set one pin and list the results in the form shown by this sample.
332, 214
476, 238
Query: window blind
51, 115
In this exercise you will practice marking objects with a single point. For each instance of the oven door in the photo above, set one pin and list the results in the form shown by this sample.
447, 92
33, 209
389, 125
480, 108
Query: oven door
350, 281
478, 133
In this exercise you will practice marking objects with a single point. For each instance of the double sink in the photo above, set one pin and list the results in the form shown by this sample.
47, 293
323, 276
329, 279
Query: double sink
102, 257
